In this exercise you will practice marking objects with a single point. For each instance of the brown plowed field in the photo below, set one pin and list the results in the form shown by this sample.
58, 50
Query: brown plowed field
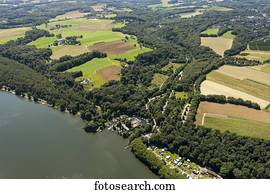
110, 73
232, 111
112, 48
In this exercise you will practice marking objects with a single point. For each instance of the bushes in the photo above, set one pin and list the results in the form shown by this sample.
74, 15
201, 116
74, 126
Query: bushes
209, 35
223, 99
146, 156
152, 161
76, 61
263, 44
241, 62
77, 74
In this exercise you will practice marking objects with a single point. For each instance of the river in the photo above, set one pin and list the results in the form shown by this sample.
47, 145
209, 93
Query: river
39, 142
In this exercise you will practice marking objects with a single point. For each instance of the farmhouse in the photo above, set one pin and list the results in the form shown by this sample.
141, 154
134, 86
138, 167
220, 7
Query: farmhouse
85, 82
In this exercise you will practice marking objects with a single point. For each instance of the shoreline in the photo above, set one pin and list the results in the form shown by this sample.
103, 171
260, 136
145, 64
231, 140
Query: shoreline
39, 101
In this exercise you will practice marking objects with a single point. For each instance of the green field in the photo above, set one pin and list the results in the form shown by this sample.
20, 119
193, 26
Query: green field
248, 86
130, 55
266, 69
211, 31
173, 66
12, 34
261, 56
93, 31
219, 8
91, 68
257, 55
192, 14
181, 95
158, 80
228, 35
239, 126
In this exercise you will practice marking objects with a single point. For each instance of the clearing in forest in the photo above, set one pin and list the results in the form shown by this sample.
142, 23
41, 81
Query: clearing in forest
181, 95
219, 8
217, 44
12, 34
70, 15
159, 80
172, 66
211, 31
234, 118
192, 14
266, 68
97, 72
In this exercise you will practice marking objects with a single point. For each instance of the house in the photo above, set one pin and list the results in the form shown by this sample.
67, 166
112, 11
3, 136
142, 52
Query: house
85, 82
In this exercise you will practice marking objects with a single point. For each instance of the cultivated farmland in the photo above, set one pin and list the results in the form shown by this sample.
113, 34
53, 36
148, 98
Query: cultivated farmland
93, 34
218, 44
266, 68
181, 95
70, 15
12, 34
255, 55
219, 8
96, 34
243, 73
249, 83
98, 71
213, 88
237, 119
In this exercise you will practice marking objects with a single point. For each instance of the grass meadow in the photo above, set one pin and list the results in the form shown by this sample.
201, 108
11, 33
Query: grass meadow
12, 34
239, 126
91, 70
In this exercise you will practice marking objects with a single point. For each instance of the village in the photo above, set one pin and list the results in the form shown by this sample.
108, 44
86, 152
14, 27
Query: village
124, 124
183, 165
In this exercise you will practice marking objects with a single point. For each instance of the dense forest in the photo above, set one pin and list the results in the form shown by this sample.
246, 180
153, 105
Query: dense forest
30, 72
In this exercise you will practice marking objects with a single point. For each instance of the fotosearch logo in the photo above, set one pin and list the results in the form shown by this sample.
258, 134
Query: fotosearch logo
145, 186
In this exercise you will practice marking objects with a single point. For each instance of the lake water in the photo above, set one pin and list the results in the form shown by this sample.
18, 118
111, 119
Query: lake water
39, 142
